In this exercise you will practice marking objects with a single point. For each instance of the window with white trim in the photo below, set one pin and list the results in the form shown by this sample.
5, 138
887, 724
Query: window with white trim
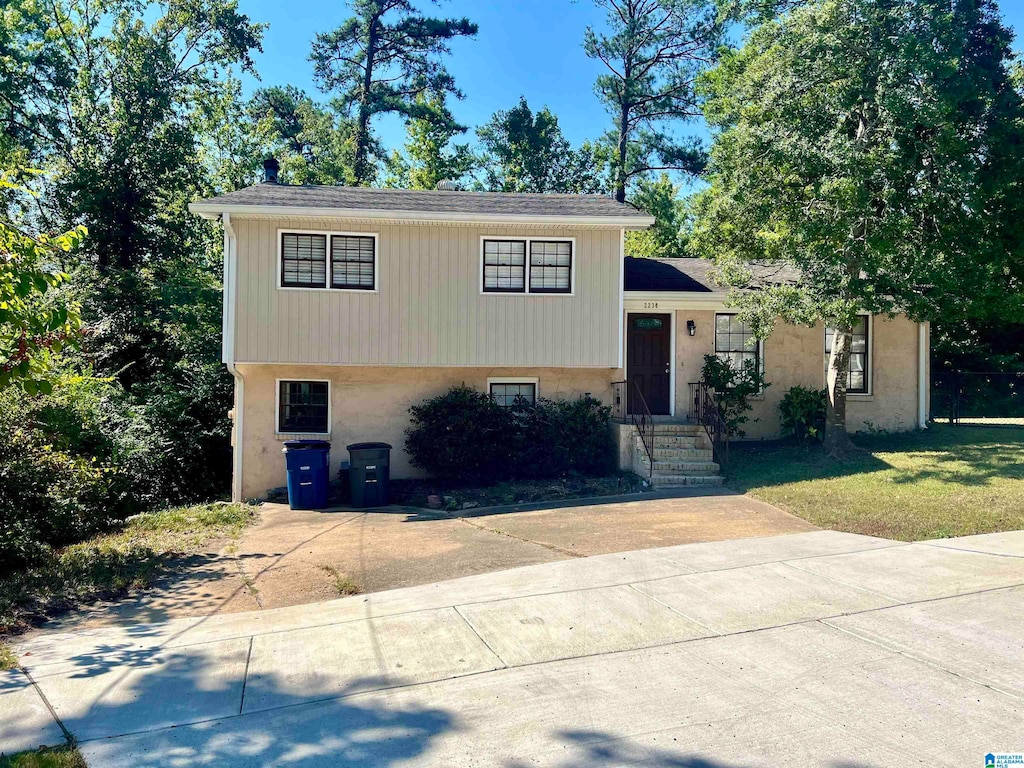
858, 380
735, 342
352, 262
328, 260
550, 266
303, 407
504, 266
527, 265
303, 260
513, 393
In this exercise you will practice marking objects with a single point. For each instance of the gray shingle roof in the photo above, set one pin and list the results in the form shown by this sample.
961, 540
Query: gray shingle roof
693, 275
426, 201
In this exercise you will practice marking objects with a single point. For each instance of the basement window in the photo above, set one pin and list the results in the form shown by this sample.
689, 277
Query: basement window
513, 393
304, 407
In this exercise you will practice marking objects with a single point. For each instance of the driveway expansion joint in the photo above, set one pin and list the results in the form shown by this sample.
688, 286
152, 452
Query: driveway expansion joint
504, 664
68, 736
914, 657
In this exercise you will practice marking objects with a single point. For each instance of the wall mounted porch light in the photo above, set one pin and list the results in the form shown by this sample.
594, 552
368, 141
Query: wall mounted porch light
691, 327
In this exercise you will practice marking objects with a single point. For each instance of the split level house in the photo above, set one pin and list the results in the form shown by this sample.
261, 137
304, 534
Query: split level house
344, 306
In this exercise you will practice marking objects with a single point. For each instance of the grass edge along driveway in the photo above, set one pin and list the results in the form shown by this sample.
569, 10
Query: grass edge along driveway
114, 563
935, 483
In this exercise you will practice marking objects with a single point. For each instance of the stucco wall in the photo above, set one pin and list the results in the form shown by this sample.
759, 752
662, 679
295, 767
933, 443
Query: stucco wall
795, 355
372, 403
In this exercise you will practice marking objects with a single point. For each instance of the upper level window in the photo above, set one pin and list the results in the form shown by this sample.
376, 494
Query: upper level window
303, 260
506, 268
550, 266
303, 407
352, 261
734, 341
352, 264
859, 379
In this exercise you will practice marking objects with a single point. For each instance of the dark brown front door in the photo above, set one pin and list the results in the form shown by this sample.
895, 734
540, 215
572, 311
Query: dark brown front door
649, 364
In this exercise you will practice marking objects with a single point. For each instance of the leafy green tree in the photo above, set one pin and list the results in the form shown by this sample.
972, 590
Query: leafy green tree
875, 147
653, 53
660, 198
123, 107
430, 157
524, 151
379, 61
313, 143
34, 323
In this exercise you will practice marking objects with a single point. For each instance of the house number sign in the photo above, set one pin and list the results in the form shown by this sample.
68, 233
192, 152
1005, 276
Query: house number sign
650, 305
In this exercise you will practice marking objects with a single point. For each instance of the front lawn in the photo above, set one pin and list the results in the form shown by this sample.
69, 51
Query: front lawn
945, 481
114, 563
55, 757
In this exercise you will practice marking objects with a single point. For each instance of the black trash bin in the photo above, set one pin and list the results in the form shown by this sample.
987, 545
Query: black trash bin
370, 474
308, 463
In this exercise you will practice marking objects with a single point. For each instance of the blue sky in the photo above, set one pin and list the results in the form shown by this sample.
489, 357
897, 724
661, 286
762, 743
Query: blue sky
524, 47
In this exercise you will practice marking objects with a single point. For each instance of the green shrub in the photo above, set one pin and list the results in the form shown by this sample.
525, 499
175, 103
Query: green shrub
464, 436
460, 435
802, 413
558, 437
733, 389
49, 498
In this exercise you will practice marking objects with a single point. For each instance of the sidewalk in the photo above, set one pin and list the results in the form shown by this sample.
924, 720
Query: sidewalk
816, 648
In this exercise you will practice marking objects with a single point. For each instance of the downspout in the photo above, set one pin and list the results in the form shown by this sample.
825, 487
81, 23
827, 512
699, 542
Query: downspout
228, 354
922, 375
622, 299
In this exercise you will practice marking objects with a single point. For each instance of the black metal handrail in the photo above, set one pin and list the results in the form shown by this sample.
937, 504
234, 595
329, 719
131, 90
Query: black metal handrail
630, 405
705, 410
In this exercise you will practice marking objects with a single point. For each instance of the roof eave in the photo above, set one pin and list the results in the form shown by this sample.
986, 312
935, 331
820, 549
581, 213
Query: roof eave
212, 210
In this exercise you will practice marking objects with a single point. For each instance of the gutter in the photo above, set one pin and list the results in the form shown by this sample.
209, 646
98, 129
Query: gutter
213, 210
228, 353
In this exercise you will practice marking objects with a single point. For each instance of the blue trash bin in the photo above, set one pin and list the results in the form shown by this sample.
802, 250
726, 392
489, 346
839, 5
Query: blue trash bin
308, 463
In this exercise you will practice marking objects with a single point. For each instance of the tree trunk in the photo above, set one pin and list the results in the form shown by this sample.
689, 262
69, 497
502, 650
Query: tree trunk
837, 439
360, 164
620, 171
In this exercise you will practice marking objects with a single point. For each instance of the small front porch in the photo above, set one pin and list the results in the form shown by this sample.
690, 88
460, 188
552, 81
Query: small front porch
669, 451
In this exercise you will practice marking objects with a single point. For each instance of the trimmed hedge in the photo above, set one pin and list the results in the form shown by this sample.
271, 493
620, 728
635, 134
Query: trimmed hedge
464, 436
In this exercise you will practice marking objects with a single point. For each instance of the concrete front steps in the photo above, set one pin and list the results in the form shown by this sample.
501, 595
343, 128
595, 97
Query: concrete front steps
682, 457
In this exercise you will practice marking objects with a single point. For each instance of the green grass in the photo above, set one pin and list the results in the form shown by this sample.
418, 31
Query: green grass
115, 563
55, 757
946, 481
7, 658
343, 585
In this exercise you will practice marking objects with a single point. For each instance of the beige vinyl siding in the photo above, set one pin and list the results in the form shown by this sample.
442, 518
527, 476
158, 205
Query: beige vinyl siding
428, 308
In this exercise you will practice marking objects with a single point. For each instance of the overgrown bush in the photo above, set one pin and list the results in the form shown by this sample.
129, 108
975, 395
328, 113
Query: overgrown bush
464, 436
49, 497
460, 435
79, 458
802, 413
557, 437
734, 387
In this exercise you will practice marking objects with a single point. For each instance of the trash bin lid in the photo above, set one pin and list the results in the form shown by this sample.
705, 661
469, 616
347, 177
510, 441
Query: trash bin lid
301, 445
368, 446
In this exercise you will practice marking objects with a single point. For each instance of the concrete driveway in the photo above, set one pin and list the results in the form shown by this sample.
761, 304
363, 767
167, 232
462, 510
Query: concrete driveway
293, 557
808, 649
